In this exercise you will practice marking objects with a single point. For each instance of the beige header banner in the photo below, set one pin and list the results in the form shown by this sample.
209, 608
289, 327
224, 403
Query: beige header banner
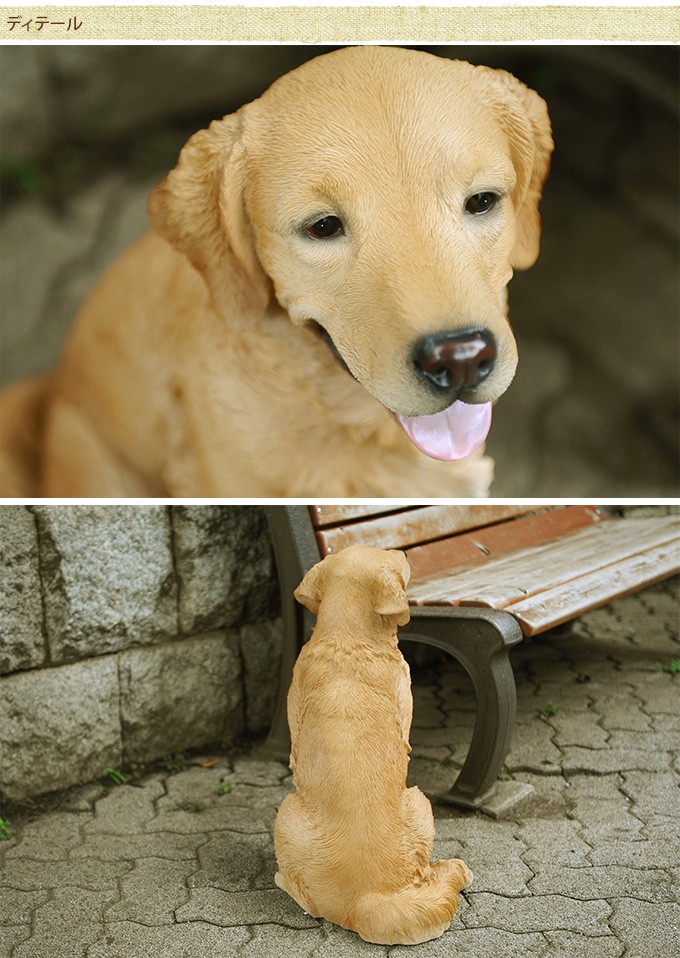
340, 24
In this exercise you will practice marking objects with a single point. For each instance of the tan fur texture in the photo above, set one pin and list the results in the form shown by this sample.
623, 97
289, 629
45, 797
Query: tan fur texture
196, 366
353, 843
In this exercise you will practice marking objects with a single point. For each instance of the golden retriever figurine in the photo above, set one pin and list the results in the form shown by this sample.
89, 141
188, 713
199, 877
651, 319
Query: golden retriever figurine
353, 844
321, 309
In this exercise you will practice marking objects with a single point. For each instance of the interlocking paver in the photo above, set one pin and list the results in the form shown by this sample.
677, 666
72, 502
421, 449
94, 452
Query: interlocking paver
243, 908
650, 930
656, 692
661, 851
324, 941
127, 939
152, 891
96, 875
653, 795
623, 711
569, 944
235, 862
612, 814
125, 810
472, 942
552, 842
67, 923
500, 876
51, 837
114, 848
534, 747
587, 882
181, 864
582, 728
58, 941
537, 913
578, 759
12, 935
17, 906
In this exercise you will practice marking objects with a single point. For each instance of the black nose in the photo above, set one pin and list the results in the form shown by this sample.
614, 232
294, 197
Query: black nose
456, 361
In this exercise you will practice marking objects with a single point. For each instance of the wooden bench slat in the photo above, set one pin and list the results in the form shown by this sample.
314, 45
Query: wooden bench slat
405, 528
331, 515
520, 574
566, 601
473, 548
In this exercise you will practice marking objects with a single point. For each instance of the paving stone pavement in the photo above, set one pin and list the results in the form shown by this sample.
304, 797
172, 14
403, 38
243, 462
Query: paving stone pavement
181, 861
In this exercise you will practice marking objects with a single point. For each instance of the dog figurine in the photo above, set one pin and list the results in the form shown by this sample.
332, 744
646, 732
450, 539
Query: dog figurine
353, 843
321, 310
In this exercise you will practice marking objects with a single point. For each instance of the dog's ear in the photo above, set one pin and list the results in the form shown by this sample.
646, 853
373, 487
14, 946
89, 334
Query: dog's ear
200, 209
390, 595
309, 592
523, 115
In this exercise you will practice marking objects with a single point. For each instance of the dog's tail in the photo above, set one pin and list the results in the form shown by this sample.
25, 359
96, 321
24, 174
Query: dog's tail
21, 426
416, 913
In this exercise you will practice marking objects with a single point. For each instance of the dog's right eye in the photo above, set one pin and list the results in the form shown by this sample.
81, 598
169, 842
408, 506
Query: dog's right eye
326, 228
481, 203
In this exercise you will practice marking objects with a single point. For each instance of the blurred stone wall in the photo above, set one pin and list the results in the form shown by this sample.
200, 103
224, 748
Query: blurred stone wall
128, 633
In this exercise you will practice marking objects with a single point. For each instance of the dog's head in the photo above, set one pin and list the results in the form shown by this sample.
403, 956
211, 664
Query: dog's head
383, 196
363, 576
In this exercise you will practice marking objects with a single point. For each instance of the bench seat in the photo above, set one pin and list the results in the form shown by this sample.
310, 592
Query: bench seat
544, 585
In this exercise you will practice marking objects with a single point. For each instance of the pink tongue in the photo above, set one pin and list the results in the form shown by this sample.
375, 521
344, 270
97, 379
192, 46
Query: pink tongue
452, 434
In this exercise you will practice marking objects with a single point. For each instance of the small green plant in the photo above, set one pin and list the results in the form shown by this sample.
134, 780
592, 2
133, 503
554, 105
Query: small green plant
224, 788
115, 775
5, 831
177, 762
190, 806
505, 775
550, 710
673, 666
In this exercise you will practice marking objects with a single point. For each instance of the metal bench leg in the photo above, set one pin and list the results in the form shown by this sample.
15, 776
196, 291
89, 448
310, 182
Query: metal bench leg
480, 639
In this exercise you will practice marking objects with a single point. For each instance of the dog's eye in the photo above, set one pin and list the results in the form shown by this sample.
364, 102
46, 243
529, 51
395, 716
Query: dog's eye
481, 203
326, 227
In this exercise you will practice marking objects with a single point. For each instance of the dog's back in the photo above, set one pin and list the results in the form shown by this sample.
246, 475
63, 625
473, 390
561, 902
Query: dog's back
349, 733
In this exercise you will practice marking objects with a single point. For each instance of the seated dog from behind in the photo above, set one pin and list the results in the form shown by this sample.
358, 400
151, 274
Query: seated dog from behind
353, 843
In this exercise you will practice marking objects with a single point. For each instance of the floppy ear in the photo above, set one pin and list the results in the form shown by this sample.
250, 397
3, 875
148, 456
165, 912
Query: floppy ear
524, 118
390, 596
310, 591
200, 209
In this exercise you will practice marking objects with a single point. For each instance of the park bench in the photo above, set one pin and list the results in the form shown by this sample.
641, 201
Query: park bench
483, 577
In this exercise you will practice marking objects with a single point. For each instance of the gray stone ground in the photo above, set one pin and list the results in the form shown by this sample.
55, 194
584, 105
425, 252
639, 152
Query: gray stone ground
181, 862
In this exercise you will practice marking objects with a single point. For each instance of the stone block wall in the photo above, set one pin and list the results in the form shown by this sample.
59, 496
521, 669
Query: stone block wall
130, 632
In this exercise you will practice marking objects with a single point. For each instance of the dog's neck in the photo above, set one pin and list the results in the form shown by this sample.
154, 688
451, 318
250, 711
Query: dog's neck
347, 617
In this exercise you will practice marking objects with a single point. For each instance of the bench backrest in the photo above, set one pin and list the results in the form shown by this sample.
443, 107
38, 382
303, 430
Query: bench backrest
436, 537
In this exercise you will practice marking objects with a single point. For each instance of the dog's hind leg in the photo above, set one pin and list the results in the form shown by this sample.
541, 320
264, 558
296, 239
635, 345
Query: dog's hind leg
417, 812
295, 844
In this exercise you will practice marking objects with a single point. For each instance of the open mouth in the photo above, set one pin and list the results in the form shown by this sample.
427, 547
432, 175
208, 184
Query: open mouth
454, 433
323, 334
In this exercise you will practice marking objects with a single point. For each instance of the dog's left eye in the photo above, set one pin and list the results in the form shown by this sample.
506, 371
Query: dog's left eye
326, 227
481, 203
